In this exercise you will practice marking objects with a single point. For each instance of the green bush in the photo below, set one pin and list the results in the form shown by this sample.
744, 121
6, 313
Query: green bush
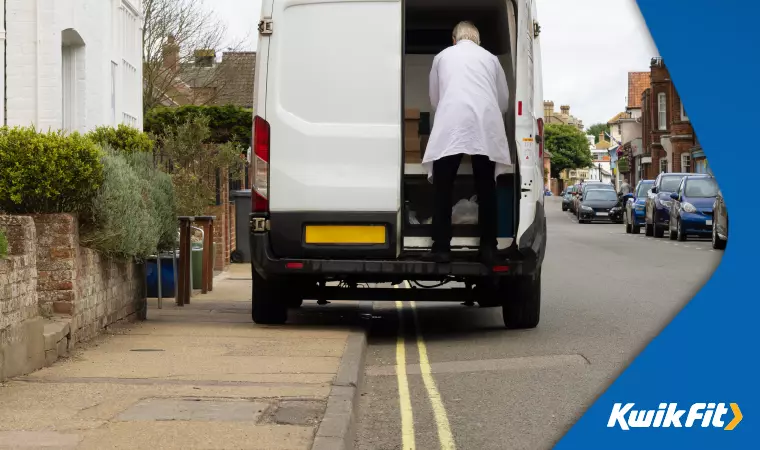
123, 139
133, 213
3, 245
162, 198
47, 172
226, 123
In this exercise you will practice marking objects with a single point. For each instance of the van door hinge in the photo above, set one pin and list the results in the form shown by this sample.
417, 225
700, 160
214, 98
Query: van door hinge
265, 27
536, 29
259, 225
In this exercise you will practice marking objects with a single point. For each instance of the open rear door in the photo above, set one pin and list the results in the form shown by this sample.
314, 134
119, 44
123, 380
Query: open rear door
334, 112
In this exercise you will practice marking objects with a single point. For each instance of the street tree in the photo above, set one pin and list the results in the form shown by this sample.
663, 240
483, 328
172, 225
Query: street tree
568, 146
180, 41
596, 129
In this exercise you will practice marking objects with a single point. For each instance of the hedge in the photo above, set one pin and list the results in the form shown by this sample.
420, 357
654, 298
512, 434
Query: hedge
49, 172
123, 139
227, 123
133, 213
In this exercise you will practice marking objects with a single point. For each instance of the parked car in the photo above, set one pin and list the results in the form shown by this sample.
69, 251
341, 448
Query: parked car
596, 205
658, 203
576, 191
692, 209
634, 206
585, 187
567, 198
720, 223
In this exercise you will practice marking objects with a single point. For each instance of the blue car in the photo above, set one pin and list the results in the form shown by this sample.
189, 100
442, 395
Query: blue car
633, 216
658, 203
692, 210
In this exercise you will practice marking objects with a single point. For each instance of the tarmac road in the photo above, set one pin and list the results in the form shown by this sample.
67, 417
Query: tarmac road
478, 386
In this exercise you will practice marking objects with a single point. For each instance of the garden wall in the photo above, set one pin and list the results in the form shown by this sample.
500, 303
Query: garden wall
48, 275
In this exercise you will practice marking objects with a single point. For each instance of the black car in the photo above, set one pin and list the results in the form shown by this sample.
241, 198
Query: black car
658, 203
596, 205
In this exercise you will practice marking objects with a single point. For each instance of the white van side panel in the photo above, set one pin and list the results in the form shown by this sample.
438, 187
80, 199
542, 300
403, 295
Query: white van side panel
334, 105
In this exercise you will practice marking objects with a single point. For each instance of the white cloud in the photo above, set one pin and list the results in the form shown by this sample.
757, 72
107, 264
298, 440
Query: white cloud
588, 48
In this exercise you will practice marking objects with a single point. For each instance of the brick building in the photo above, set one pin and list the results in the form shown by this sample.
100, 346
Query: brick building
667, 135
562, 118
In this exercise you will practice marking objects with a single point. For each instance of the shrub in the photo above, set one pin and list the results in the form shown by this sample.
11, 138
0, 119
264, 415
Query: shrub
192, 162
47, 172
133, 213
226, 123
123, 139
3, 245
162, 198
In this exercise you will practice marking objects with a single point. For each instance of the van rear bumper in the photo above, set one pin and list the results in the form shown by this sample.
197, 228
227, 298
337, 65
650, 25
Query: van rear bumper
409, 268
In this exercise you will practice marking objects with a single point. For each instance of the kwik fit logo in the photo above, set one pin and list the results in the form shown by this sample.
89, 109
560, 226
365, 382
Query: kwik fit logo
668, 415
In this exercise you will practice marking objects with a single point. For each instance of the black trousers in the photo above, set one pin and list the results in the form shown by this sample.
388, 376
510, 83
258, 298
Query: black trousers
444, 174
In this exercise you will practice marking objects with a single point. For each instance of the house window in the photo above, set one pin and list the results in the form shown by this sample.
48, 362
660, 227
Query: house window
662, 118
684, 117
686, 163
69, 88
114, 68
663, 165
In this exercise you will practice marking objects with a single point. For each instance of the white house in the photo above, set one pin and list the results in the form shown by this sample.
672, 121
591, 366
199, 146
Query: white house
71, 64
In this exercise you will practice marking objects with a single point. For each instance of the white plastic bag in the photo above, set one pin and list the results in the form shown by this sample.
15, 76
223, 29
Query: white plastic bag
465, 212
413, 218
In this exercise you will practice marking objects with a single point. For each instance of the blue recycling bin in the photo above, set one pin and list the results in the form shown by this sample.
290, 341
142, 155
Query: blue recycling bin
167, 278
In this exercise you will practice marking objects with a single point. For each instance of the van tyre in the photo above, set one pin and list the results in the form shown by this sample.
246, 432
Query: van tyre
648, 229
658, 231
268, 305
522, 301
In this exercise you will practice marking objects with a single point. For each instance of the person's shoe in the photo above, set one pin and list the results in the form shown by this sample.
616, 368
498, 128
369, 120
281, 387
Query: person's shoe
437, 256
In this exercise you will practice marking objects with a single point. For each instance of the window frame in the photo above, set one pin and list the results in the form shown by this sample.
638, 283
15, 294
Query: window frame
664, 160
686, 157
662, 111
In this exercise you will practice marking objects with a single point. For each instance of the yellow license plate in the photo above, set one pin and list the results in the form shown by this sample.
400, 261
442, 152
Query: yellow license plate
345, 234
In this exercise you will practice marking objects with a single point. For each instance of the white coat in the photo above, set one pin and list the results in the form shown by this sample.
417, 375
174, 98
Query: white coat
469, 95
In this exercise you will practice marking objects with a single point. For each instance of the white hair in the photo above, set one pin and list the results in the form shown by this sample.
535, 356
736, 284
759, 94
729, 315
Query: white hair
466, 31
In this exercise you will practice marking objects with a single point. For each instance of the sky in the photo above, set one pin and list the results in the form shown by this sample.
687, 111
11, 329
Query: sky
588, 48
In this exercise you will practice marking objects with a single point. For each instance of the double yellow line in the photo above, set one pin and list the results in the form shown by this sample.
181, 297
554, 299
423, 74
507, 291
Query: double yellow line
445, 438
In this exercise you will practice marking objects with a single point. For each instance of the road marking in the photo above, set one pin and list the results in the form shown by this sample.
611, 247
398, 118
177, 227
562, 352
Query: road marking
405, 400
445, 438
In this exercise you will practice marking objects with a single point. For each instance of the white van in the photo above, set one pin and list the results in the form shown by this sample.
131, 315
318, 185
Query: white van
337, 213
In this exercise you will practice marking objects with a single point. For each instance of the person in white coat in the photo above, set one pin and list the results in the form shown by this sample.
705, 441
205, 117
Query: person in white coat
469, 95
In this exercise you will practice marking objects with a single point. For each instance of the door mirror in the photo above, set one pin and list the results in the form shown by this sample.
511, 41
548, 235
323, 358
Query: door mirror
674, 196
654, 190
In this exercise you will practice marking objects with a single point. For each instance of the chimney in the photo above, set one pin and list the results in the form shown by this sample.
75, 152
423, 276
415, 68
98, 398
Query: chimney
565, 110
548, 108
171, 54
601, 136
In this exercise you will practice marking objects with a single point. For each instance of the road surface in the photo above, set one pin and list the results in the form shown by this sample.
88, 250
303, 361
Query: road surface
478, 386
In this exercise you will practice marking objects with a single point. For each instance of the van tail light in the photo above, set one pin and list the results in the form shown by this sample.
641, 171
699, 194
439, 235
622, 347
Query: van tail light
260, 197
540, 139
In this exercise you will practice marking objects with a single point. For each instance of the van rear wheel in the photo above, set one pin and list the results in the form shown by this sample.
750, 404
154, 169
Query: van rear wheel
522, 301
268, 303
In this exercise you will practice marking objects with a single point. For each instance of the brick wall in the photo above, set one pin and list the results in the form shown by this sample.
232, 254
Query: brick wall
21, 349
95, 291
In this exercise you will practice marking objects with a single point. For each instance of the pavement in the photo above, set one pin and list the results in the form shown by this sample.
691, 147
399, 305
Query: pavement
202, 376
445, 376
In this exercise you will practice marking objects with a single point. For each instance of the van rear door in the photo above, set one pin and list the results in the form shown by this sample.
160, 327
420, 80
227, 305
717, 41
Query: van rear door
334, 111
